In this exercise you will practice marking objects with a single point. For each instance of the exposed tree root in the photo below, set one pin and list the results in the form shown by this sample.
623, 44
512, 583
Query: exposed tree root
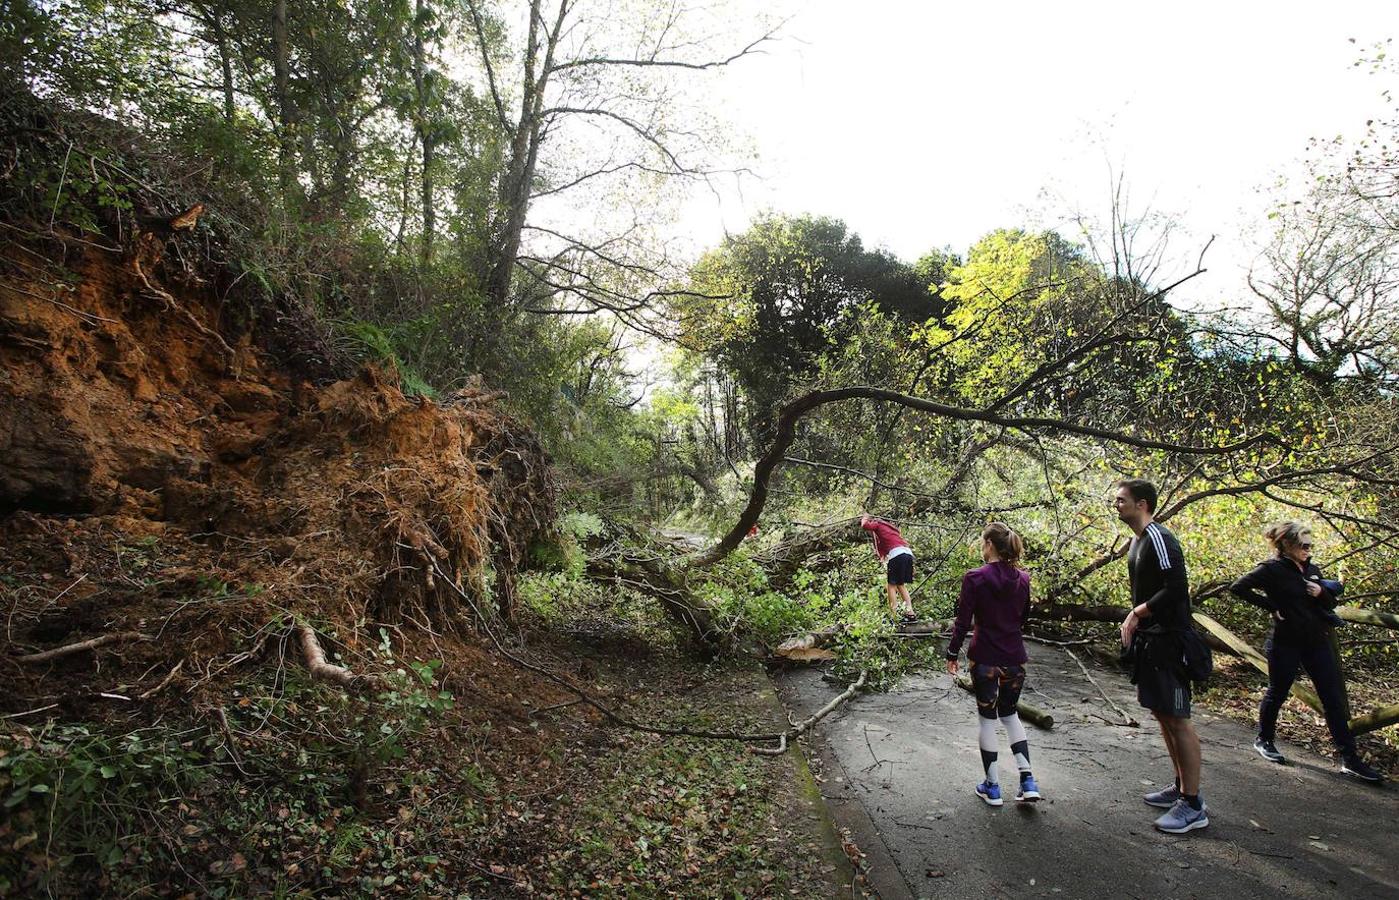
150, 244
91, 644
164, 682
322, 670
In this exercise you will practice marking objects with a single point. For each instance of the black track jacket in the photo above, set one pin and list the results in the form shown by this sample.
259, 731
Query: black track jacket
1156, 569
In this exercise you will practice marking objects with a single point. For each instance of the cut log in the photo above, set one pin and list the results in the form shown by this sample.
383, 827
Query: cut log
1259, 661
1368, 616
812, 639
1032, 714
809, 647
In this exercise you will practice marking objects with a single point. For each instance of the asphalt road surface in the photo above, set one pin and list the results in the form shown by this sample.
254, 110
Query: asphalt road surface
897, 769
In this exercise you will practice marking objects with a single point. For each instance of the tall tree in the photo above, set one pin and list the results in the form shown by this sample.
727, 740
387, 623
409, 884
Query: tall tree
602, 89
771, 302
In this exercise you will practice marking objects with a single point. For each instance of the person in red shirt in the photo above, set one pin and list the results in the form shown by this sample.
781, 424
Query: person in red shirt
897, 556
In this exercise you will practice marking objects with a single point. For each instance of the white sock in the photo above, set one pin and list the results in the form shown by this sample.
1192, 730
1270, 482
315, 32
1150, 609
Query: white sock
986, 739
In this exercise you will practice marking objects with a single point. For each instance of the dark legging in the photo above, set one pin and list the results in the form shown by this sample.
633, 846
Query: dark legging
997, 689
1316, 656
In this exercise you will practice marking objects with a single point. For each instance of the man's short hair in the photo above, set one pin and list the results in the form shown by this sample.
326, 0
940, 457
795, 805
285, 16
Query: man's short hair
1141, 490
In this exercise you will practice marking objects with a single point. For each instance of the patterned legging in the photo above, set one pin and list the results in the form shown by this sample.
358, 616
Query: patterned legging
997, 689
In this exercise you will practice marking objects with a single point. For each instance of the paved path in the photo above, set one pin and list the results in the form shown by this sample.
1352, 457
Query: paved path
897, 769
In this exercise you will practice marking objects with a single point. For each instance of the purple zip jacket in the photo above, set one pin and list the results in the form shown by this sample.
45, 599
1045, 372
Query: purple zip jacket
997, 597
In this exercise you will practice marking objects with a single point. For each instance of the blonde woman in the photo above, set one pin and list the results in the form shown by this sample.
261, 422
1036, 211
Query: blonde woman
1290, 587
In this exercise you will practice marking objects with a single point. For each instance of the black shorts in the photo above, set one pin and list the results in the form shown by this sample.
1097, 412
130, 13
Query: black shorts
997, 689
1164, 690
901, 569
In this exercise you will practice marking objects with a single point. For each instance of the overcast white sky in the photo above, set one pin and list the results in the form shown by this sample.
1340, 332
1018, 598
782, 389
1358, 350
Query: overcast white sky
924, 124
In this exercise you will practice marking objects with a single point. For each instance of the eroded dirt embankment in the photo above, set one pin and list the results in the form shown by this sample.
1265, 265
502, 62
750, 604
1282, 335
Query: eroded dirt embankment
172, 472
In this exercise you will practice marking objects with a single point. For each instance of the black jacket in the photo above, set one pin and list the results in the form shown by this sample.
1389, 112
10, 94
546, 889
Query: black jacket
1156, 571
1278, 586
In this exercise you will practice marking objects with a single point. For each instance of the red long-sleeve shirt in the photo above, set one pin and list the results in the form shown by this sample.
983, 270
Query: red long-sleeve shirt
886, 537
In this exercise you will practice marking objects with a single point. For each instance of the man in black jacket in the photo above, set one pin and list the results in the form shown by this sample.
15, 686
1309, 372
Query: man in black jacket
1291, 589
1160, 610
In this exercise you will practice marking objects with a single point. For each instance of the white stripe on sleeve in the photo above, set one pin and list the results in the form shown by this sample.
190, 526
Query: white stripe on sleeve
1159, 544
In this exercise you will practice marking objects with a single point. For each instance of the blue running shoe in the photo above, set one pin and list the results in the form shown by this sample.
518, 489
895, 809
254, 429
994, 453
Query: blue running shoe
1029, 791
1164, 798
989, 792
1183, 818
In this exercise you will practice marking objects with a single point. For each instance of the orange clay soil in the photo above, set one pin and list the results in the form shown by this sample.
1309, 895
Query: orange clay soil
165, 476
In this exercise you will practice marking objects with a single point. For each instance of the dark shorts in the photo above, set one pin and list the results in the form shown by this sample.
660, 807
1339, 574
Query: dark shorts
997, 689
901, 569
1158, 671
1164, 690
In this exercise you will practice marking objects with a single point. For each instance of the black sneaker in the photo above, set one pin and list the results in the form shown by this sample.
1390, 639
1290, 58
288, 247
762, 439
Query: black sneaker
1356, 767
1268, 751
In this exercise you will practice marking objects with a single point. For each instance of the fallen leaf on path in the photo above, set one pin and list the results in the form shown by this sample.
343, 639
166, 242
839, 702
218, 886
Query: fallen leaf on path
228, 866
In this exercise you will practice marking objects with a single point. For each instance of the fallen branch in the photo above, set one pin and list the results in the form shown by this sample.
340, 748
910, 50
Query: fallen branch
1070, 612
615, 717
1126, 719
1375, 719
797, 731
30, 712
1368, 616
1052, 643
80, 646
553, 706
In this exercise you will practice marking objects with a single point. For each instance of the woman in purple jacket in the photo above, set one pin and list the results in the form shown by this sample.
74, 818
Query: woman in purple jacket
997, 598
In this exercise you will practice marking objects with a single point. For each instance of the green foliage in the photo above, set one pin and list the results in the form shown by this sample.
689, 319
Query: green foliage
564, 553
370, 343
82, 797
644, 826
769, 303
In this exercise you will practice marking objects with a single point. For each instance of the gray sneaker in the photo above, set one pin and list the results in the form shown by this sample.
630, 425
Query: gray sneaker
1164, 798
1182, 818
1269, 751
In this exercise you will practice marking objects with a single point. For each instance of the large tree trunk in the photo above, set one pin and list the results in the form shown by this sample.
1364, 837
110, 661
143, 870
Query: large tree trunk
225, 63
286, 112
786, 432
425, 137
524, 152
